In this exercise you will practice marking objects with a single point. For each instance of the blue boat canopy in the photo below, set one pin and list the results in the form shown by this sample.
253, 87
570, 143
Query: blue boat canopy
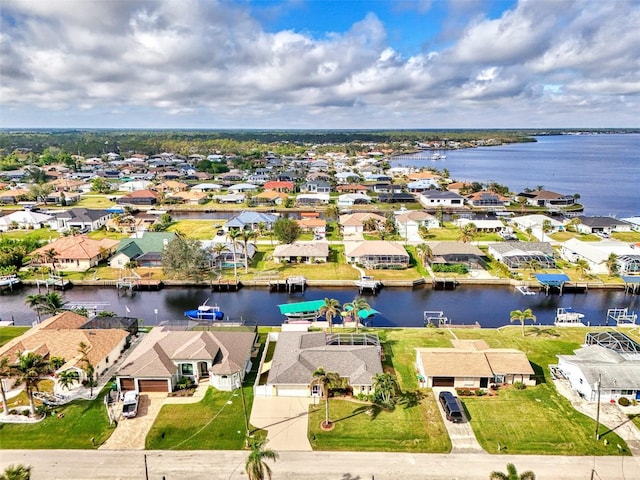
300, 307
630, 279
364, 313
552, 279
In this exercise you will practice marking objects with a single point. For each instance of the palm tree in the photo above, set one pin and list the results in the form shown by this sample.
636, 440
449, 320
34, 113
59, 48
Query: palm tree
546, 228
325, 380
89, 369
67, 378
50, 257
424, 252
256, 467
612, 264
512, 474
573, 223
261, 228
354, 309
246, 236
386, 386
583, 266
521, 316
467, 233
6, 371
16, 472
233, 235
218, 249
29, 369
529, 231
330, 310
36, 301
52, 303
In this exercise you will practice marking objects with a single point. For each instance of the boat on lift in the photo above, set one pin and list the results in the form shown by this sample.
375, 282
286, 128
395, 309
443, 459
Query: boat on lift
205, 312
566, 316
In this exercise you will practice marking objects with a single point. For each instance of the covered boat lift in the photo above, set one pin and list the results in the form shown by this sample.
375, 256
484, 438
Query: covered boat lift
552, 280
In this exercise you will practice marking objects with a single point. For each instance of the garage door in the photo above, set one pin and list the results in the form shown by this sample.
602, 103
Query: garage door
127, 384
443, 381
153, 385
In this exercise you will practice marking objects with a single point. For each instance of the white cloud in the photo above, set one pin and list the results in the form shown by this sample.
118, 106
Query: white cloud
207, 63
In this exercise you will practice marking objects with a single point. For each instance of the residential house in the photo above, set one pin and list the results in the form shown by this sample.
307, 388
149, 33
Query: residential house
164, 356
524, 255
270, 197
242, 188
298, 355
206, 187
63, 199
597, 254
471, 364
424, 175
301, 252
535, 224
458, 187
397, 197
61, 335
24, 220
485, 199
139, 197
351, 199
81, 219
189, 198
345, 178
606, 368
249, 220
482, 225
75, 253
419, 186
13, 196
352, 188
228, 178
171, 186
280, 186
313, 199
545, 198
226, 258
409, 222
377, 254
353, 223
66, 185
319, 176
145, 249
386, 188
313, 224
315, 186
437, 198
456, 252
135, 186
599, 225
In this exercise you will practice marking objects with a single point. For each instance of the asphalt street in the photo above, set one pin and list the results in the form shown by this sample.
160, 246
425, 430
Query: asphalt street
229, 465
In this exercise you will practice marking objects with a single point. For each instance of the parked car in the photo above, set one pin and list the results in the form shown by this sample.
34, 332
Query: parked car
130, 404
451, 407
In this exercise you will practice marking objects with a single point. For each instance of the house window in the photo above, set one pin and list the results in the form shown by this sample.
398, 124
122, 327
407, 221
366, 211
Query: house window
186, 369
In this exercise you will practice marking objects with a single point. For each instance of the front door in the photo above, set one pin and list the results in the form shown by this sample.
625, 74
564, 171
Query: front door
316, 391
484, 382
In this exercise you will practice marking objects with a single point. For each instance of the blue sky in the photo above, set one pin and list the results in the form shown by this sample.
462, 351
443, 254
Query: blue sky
319, 64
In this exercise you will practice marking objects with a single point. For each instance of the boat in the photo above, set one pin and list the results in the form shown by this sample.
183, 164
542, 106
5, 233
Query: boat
301, 311
9, 281
367, 282
524, 290
567, 317
205, 312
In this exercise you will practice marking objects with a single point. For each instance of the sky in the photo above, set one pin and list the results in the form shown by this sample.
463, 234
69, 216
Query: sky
319, 64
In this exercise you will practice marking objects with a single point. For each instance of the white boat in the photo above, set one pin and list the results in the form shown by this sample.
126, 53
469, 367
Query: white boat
524, 290
567, 317
9, 280
367, 282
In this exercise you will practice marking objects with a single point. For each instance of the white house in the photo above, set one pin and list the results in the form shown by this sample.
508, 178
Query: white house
134, 186
437, 198
350, 199
596, 254
602, 225
24, 219
409, 222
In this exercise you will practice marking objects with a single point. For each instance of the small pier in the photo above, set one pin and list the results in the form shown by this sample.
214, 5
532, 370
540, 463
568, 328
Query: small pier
290, 285
127, 283
56, 282
9, 282
225, 285
435, 318
368, 284
631, 284
445, 283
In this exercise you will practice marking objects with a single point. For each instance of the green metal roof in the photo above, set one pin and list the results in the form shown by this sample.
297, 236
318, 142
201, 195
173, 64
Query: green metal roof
300, 307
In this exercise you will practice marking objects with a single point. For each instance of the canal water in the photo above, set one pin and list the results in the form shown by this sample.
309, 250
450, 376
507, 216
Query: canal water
398, 307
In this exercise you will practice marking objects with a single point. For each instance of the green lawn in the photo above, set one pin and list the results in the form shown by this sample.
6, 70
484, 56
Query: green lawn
214, 423
82, 421
95, 201
39, 234
8, 333
415, 426
198, 229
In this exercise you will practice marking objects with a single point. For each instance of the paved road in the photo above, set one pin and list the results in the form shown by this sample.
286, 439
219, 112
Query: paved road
229, 465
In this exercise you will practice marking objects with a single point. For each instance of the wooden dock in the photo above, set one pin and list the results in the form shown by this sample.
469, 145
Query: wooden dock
290, 285
56, 282
445, 283
225, 285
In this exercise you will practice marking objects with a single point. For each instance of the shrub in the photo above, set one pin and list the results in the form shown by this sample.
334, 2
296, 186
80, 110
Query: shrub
623, 401
519, 385
480, 393
450, 268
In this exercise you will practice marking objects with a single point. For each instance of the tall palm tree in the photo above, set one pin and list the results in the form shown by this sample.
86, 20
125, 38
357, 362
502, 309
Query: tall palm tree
218, 250
50, 257
612, 264
16, 472
512, 474
29, 369
573, 223
546, 228
467, 233
583, 266
89, 369
330, 310
50, 303
233, 235
36, 302
386, 386
246, 236
424, 252
67, 378
6, 371
522, 316
354, 309
255, 466
325, 380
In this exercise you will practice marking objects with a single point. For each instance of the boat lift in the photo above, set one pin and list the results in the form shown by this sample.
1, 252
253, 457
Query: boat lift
435, 318
621, 316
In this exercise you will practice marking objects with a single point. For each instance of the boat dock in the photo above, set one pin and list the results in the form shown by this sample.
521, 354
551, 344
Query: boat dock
367, 283
622, 317
444, 283
225, 285
56, 282
290, 284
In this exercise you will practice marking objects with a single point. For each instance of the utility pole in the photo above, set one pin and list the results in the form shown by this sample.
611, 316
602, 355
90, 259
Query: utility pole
598, 406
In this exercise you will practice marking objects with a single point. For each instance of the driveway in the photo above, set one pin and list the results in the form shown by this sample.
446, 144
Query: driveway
463, 440
285, 419
131, 433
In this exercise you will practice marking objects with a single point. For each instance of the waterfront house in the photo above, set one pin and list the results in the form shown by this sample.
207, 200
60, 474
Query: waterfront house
456, 252
206, 187
81, 219
138, 198
396, 197
249, 220
409, 222
437, 198
301, 252
471, 364
419, 186
75, 253
607, 367
313, 224
280, 186
13, 196
315, 186
242, 188
226, 258
535, 224
597, 254
313, 199
602, 225
297, 355
351, 199
145, 249
482, 225
545, 198
352, 188
377, 254
135, 186
189, 198
353, 223
485, 200
171, 186
270, 197
516, 255
164, 356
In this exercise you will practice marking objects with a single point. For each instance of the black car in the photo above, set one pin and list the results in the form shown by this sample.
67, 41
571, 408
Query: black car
451, 407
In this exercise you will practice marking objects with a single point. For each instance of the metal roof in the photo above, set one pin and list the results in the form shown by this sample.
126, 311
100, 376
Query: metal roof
300, 307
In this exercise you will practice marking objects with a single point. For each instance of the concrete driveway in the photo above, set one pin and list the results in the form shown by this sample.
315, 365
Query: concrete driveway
285, 419
463, 440
131, 433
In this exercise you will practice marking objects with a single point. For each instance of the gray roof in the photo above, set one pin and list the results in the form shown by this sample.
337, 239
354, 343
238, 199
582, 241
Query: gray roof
299, 354
455, 248
530, 247
250, 217
83, 214
302, 249
600, 221
613, 370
